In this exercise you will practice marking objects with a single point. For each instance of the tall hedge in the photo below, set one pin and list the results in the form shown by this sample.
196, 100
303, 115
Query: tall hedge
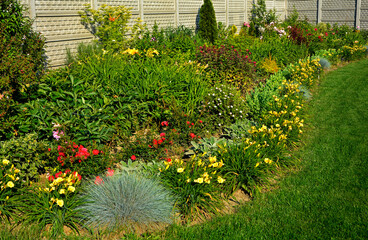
207, 22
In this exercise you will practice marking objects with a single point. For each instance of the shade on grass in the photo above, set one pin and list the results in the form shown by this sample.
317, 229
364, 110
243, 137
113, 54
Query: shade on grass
328, 197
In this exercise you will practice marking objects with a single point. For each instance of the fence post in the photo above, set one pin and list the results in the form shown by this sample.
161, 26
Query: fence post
285, 9
177, 13
227, 13
357, 12
319, 11
32, 13
94, 4
141, 10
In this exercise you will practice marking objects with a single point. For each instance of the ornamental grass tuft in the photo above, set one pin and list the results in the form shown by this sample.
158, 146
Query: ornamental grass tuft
127, 200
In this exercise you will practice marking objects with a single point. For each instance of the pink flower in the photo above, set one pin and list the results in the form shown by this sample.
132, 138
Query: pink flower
110, 172
133, 157
95, 152
98, 180
57, 135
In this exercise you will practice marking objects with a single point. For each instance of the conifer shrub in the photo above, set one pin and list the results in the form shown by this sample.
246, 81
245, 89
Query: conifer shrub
207, 22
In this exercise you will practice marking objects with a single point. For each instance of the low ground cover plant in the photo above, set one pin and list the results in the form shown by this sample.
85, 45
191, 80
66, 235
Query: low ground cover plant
167, 119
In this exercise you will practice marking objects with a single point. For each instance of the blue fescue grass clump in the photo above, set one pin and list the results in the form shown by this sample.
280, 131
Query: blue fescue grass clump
324, 63
127, 200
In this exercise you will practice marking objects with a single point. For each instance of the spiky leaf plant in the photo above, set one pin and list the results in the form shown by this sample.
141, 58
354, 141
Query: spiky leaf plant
127, 200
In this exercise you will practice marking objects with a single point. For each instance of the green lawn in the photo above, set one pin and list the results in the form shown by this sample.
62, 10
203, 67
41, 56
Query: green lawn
328, 197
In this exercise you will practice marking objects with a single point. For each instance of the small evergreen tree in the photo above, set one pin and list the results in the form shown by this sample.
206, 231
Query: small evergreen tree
207, 22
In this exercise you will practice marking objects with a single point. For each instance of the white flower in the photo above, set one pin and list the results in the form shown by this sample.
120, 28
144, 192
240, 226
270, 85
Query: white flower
219, 114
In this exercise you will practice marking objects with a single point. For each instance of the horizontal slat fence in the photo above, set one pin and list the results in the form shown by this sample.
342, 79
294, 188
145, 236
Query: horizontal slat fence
59, 22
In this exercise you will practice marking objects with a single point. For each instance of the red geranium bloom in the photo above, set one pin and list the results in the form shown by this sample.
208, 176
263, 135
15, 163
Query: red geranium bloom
95, 152
49, 149
98, 180
51, 178
159, 141
67, 171
188, 122
164, 123
162, 134
133, 157
200, 121
59, 174
192, 135
110, 172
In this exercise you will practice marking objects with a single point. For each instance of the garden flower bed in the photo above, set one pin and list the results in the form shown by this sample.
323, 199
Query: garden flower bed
160, 127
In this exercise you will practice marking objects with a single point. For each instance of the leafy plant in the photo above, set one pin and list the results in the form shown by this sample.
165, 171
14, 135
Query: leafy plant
207, 26
27, 154
239, 129
110, 25
207, 146
260, 16
128, 200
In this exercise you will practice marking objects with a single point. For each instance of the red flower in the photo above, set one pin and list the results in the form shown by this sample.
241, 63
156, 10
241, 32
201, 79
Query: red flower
51, 178
149, 146
49, 149
192, 124
67, 171
59, 174
326, 34
154, 142
200, 121
95, 152
164, 123
188, 122
98, 180
61, 154
192, 135
315, 29
133, 157
159, 141
168, 160
110, 172
59, 147
162, 134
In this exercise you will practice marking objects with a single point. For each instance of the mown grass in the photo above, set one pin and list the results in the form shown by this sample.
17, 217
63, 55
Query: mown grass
328, 197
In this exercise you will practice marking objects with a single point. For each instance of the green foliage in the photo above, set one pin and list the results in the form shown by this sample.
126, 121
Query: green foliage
325, 64
228, 65
27, 154
207, 146
207, 26
22, 60
10, 190
128, 200
245, 165
55, 205
260, 16
196, 184
239, 129
259, 99
110, 25
223, 105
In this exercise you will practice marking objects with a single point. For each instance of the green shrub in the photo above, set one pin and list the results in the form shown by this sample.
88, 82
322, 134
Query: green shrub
207, 26
27, 154
110, 25
22, 60
260, 16
128, 200
228, 65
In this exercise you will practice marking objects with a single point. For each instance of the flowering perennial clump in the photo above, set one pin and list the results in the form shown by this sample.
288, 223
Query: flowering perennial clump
61, 186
